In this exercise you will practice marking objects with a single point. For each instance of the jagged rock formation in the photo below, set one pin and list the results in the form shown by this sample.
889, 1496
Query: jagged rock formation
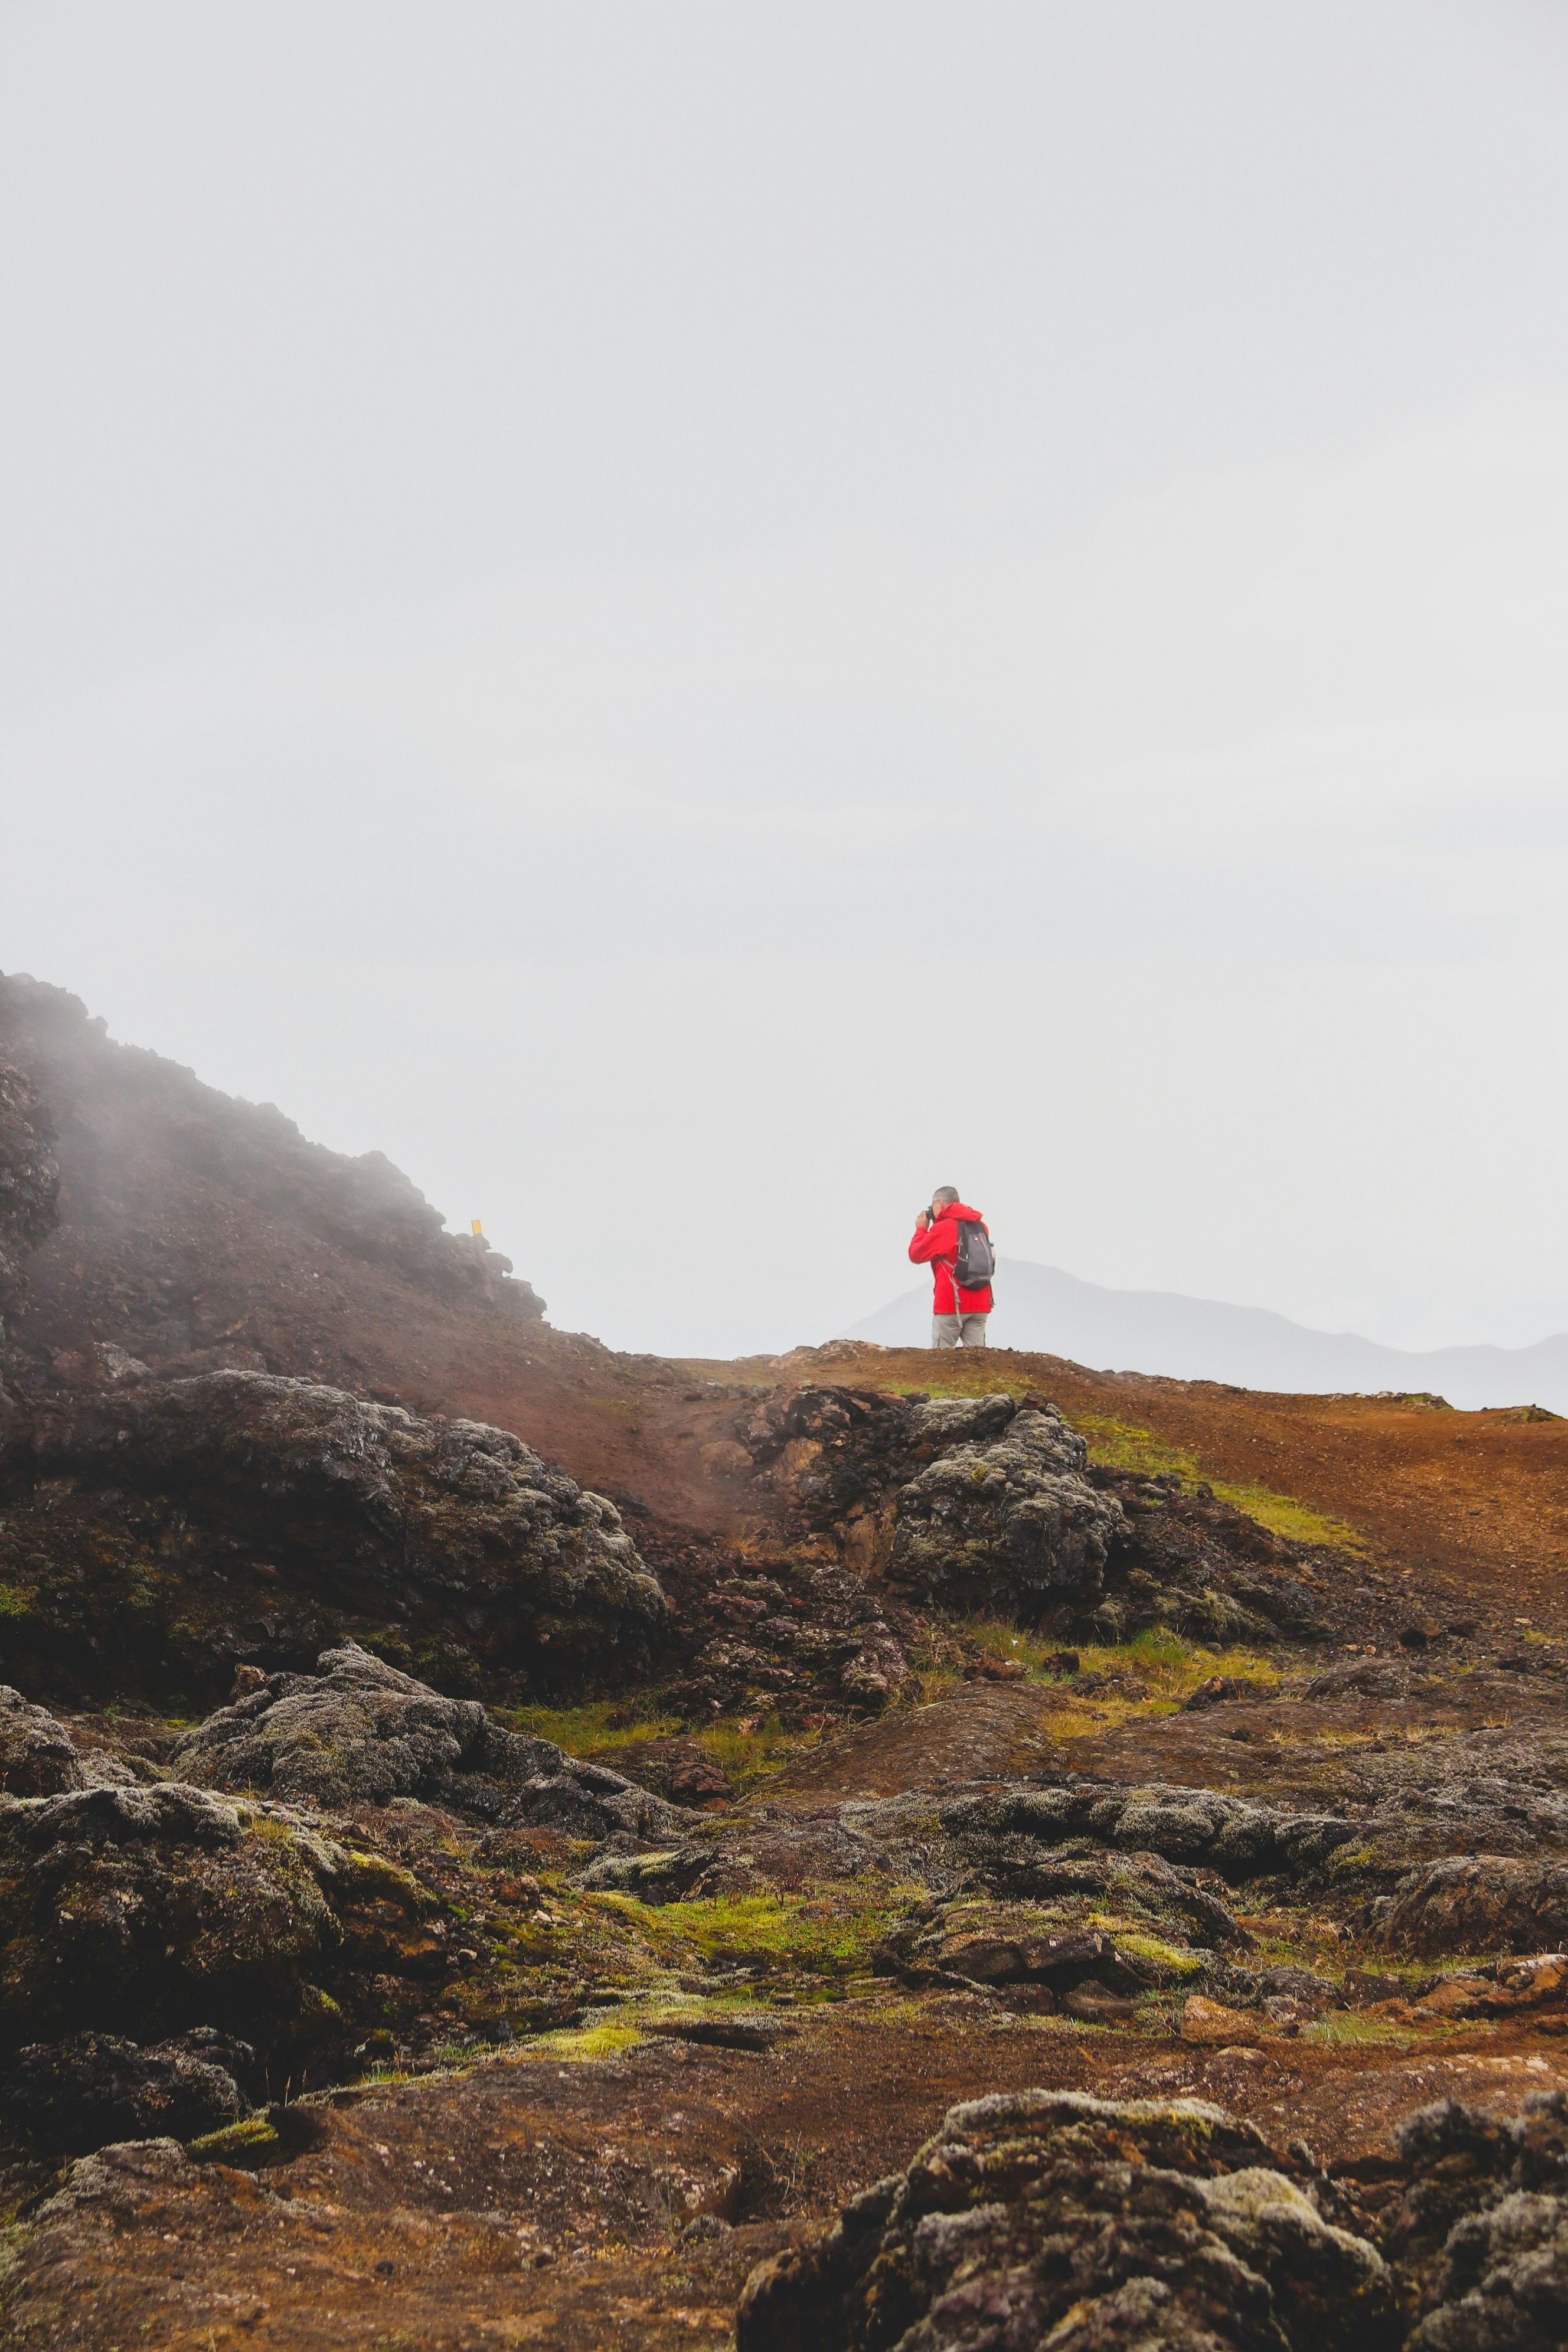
156, 1533
1104, 2226
1481, 2233
1100, 2227
988, 1503
144, 1912
38, 1757
794, 1640
358, 1732
1480, 1903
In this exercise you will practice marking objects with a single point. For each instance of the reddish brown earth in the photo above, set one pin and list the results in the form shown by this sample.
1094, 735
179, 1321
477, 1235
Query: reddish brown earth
532, 2204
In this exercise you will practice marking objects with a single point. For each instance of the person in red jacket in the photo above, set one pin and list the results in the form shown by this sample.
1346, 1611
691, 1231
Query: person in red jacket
957, 1317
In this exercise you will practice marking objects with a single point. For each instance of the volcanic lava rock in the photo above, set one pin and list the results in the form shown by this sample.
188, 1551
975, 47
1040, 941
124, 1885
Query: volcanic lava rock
96, 2087
360, 1732
38, 1757
149, 1911
1481, 2234
1006, 1521
991, 1503
1480, 1903
158, 1532
357, 1731
1042, 2215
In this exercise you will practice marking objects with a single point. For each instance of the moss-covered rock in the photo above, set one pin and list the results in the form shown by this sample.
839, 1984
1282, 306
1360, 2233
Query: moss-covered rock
1100, 2226
359, 1732
147, 1911
152, 1536
1480, 1903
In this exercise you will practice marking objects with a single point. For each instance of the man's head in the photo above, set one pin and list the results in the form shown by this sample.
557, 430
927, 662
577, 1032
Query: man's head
942, 1198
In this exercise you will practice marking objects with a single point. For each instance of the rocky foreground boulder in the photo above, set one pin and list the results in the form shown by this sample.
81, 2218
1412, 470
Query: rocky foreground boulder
148, 1911
1480, 1903
1053, 2218
153, 1535
98, 2088
133, 1914
1095, 2226
38, 1757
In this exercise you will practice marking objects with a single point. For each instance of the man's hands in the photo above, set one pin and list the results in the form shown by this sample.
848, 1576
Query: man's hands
922, 1221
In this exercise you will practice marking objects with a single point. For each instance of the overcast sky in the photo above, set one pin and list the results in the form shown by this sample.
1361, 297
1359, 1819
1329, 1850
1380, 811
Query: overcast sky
697, 618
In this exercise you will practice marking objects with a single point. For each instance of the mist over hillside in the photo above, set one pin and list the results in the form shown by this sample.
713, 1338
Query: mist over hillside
1044, 1309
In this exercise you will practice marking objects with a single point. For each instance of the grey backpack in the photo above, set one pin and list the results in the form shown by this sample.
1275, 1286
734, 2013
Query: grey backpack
977, 1260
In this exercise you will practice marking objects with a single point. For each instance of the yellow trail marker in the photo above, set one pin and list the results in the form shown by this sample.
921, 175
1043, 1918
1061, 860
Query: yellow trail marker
478, 1227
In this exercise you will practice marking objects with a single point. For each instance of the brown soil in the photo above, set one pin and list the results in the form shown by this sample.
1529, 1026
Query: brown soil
528, 2202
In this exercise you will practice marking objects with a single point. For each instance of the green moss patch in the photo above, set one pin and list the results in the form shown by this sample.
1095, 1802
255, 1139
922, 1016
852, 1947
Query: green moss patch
1125, 1446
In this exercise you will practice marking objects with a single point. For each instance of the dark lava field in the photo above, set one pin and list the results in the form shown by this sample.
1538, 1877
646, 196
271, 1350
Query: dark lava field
505, 1843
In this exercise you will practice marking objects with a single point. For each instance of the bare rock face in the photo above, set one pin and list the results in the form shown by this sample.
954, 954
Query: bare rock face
359, 1732
160, 1531
1480, 1903
1101, 2227
149, 1911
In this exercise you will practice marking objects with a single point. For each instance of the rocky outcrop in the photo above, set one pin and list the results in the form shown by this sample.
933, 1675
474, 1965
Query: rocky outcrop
1479, 1903
359, 1732
38, 1757
791, 1641
156, 1533
1102, 2227
1480, 2236
74, 2095
1003, 1521
146, 1912
989, 1504
970, 1501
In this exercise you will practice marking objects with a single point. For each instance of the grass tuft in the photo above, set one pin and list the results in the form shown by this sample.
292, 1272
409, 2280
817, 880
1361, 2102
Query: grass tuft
1352, 2029
585, 1730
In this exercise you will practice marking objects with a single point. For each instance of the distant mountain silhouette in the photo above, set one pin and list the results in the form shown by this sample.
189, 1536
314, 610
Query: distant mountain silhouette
1040, 1307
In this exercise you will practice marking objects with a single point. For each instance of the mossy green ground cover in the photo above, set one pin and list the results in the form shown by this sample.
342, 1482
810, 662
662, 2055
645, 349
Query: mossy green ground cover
1124, 1446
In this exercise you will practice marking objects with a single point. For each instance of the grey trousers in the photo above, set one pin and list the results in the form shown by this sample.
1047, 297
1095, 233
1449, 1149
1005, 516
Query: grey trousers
957, 1331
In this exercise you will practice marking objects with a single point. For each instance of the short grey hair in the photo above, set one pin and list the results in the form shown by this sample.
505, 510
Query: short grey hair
945, 1193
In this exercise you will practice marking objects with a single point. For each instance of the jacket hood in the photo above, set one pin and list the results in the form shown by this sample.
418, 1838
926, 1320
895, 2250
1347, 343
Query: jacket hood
959, 1210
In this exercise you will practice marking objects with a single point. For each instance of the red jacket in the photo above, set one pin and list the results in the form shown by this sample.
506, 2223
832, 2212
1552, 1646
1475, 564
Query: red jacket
938, 1248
